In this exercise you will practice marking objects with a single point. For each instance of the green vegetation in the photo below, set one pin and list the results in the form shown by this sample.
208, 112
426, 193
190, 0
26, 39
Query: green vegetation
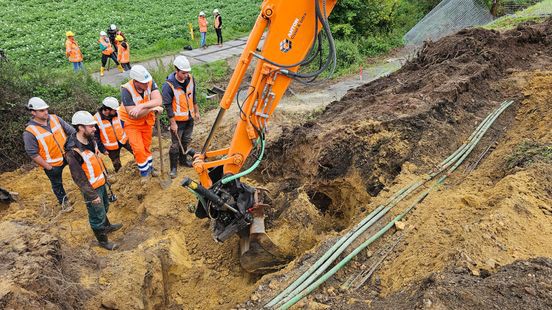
33, 31
535, 13
528, 153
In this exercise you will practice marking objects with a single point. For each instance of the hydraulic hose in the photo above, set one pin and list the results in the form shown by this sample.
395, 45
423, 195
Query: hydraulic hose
297, 290
250, 169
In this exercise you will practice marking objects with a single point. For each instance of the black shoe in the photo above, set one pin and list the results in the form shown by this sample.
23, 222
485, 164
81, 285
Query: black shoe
173, 173
109, 228
101, 236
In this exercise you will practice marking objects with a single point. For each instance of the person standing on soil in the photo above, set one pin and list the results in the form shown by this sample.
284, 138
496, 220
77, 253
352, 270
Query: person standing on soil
107, 52
88, 172
73, 52
141, 99
110, 134
44, 139
202, 21
179, 99
218, 26
123, 54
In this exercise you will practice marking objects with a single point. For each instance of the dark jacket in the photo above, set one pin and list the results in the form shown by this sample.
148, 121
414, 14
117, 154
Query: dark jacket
74, 160
168, 94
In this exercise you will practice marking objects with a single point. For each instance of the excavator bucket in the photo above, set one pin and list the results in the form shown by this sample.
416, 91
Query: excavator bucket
258, 253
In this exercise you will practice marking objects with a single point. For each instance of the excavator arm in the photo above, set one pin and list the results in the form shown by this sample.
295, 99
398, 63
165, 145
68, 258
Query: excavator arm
293, 31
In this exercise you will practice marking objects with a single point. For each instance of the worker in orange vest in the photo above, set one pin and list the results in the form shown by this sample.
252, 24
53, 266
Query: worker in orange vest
110, 134
202, 21
107, 52
123, 54
141, 99
179, 99
218, 26
44, 139
89, 175
72, 51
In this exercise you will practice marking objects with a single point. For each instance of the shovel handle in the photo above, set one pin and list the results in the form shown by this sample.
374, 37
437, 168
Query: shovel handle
158, 125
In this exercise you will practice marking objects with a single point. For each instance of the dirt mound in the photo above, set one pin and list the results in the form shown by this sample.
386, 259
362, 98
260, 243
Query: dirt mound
491, 212
32, 275
418, 113
521, 285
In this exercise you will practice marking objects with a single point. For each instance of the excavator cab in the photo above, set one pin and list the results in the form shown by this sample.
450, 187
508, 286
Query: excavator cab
294, 33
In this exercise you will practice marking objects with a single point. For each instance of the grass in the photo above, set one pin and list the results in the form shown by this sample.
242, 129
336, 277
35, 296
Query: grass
528, 153
536, 13
33, 31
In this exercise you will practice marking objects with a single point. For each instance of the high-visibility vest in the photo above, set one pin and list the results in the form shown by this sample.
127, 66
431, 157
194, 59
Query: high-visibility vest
123, 54
73, 51
202, 24
92, 167
109, 49
149, 119
183, 101
50, 144
111, 132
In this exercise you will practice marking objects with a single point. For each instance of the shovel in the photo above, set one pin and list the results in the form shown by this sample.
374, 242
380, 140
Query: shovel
181, 146
164, 178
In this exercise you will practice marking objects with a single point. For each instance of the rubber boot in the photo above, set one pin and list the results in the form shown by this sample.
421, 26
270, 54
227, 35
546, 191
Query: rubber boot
102, 69
120, 68
109, 228
173, 158
101, 236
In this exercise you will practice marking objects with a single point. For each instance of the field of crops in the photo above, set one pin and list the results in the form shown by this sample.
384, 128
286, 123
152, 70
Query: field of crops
33, 31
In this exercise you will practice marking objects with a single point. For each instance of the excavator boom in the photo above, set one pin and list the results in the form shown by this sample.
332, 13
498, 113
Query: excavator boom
293, 38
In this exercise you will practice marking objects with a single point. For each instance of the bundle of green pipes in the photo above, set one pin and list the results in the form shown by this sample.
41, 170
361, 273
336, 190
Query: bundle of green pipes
316, 274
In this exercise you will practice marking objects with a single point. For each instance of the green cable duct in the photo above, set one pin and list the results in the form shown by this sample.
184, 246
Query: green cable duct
397, 197
316, 269
248, 170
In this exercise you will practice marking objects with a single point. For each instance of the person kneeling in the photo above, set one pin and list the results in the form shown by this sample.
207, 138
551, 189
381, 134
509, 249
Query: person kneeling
87, 170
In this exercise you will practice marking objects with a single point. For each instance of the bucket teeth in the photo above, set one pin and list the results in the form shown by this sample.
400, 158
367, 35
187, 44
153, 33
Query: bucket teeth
258, 253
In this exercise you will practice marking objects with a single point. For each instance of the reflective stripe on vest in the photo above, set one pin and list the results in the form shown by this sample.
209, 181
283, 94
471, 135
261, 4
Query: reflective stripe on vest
50, 143
111, 132
149, 119
92, 168
183, 110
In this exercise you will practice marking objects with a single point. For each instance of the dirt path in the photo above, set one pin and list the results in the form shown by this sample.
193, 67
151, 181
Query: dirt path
197, 56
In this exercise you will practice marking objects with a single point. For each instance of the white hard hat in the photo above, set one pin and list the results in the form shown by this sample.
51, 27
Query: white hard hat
36, 103
201, 13
182, 63
111, 102
83, 118
113, 27
215, 11
102, 33
140, 74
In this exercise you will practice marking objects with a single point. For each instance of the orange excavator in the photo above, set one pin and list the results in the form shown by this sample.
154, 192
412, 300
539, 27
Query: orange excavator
295, 36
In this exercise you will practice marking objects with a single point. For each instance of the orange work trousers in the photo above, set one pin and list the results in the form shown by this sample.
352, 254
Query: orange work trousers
139, 137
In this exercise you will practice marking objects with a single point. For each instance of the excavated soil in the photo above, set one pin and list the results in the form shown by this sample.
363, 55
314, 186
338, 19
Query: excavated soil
324, 175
